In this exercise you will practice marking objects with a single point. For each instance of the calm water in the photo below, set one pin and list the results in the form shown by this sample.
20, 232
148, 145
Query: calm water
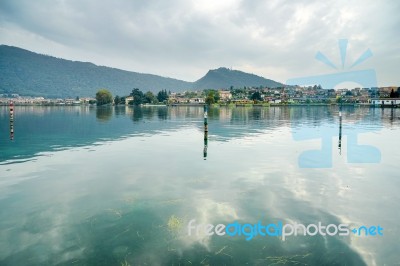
118, 186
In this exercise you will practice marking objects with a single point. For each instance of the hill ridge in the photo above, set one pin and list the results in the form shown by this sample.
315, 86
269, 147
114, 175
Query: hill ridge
33, 74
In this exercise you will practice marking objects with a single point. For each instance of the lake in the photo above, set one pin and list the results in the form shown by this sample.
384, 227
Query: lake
120, 185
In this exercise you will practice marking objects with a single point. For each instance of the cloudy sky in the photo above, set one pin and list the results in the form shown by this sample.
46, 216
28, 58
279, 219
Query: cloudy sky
183, 39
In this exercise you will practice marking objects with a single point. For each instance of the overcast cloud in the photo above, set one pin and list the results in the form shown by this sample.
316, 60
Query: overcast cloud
183, 39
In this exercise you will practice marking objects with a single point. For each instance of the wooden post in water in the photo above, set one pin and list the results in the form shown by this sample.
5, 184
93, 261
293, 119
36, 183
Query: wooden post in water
11, 120
340, 130
205, 132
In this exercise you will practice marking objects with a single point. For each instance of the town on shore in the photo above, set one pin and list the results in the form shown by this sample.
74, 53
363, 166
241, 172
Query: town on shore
288, 95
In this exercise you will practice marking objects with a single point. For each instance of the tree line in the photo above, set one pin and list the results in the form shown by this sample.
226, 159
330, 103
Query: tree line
395, 94
136, 97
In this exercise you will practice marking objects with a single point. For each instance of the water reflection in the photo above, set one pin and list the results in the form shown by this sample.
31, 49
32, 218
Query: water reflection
256, 113
392, 117
106, 205
136, 213
120, 110
137, 114
214, 113
104, 114
340, 133
43, 128
148, 112
162, 113
11, 121
205, 132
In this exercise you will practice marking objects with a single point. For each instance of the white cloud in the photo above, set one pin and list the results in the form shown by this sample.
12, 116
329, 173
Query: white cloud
184, 39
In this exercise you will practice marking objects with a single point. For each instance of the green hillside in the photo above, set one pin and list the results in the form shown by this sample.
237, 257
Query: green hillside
224, 78
27, 73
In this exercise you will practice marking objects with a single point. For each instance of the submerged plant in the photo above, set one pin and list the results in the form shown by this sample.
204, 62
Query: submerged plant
174, 223
125, 263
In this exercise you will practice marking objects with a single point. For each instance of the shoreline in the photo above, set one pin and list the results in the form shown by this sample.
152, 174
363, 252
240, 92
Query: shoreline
214, 105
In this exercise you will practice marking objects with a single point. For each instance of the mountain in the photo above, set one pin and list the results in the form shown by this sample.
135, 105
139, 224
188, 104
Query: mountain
28, 73
224, 78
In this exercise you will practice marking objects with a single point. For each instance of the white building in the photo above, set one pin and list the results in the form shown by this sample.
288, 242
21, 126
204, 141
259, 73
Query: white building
225, 95
386, 101
196, 100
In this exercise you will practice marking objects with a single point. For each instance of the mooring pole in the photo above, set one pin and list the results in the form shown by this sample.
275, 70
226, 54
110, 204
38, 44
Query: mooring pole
340, 130
205, 132
11, 120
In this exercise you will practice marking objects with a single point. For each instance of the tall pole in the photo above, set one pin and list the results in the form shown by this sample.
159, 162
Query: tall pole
340, 129
11, 120
205, 132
